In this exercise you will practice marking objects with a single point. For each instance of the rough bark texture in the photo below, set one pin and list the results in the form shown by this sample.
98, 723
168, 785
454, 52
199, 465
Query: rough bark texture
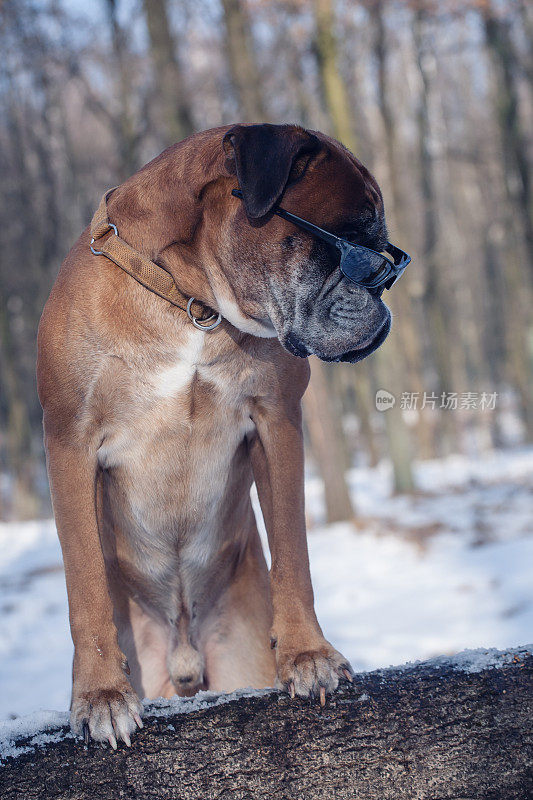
325, 435
428, 732
242, 62
172, 103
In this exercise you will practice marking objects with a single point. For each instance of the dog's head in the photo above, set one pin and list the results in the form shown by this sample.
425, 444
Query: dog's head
283, 276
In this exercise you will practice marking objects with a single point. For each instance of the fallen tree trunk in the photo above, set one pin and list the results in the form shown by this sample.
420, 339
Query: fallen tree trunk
443, 729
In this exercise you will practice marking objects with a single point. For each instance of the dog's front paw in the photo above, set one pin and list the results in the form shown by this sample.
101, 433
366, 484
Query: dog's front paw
312, 673
106, 714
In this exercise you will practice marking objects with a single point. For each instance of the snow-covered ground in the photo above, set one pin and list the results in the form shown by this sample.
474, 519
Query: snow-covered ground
448, 568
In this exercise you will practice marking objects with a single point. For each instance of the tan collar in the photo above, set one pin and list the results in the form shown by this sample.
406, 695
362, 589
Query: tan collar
147, 272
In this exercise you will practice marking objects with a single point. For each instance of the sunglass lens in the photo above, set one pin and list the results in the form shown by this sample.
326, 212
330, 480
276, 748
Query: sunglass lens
361, 265
365, 267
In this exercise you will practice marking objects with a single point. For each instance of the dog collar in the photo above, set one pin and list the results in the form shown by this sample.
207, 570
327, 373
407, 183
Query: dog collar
151, 275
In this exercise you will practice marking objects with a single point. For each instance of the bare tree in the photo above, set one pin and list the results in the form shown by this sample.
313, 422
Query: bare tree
242, 63
325, 436
514, 143
126, 128
173, 111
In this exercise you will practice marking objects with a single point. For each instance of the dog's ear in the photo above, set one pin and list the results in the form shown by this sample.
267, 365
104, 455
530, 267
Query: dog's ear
263, 158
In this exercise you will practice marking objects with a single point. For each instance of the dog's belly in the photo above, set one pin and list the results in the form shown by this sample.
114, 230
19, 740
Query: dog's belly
175, 506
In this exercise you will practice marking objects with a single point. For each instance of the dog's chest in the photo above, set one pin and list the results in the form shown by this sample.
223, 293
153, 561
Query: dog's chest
174, 434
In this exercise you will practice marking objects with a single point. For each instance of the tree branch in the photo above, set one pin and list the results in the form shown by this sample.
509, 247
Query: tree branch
434, 731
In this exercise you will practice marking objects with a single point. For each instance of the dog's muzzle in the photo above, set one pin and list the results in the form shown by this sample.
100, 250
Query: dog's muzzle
345, 323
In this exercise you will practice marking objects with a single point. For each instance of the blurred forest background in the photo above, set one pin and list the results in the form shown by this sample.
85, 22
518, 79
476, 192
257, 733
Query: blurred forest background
436, 98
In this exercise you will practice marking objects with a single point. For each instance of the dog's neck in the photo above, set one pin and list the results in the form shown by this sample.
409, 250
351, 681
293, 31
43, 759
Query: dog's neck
158, 212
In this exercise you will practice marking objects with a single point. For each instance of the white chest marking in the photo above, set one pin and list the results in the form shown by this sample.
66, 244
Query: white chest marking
231, 311
171, 380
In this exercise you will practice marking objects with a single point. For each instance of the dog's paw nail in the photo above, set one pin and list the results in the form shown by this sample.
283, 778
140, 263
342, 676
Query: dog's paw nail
127, 739
348, 675
85, 732
112, 741
322, 696
292, 691
138, 720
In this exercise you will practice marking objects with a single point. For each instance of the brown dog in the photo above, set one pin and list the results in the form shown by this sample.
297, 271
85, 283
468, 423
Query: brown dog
154, 430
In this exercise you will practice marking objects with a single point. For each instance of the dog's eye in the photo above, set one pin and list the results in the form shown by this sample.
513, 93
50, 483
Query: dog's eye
352, 236
359, 237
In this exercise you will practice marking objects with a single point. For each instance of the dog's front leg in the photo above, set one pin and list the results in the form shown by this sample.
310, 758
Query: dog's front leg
307, 664
103, 705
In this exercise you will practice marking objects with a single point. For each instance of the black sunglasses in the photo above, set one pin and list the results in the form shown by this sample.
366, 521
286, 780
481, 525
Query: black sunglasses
359, 264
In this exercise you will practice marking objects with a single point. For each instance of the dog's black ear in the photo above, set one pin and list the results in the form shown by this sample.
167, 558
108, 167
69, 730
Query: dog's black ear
263, 157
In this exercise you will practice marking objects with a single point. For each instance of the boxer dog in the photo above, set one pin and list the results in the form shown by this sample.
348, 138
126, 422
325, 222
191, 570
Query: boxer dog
155, 428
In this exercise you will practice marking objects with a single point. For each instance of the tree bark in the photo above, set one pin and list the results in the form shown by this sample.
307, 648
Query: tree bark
127, 136
325, 433
514, 142
405, 341
437, 305
333, 86
422, 732
517, 175
396, 358
242, 63
174, 113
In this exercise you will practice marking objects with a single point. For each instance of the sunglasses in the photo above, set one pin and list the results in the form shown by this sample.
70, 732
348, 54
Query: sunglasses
361, 265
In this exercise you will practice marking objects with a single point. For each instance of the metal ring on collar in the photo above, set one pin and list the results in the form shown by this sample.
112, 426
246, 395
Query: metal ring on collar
99, 252
203, 325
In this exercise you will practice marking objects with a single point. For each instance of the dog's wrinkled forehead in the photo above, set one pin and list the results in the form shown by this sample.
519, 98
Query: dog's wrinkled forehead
315, 177
352, 204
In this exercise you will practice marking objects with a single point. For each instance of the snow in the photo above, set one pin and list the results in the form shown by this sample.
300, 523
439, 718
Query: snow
35, 644
161, 707
477, 660
384, 601
420, 576
38, 728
